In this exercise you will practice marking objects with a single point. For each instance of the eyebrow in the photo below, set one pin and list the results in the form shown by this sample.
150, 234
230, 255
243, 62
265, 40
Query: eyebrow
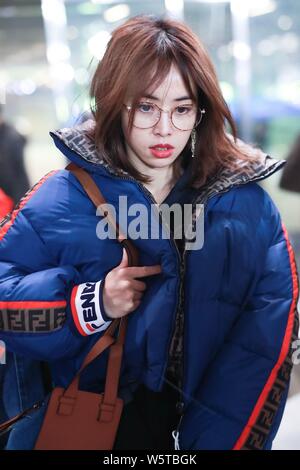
176, 99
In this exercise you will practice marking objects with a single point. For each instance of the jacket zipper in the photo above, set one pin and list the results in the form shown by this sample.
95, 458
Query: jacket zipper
181, 404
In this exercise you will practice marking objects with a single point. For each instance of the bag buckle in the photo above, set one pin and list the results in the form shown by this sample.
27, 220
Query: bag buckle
106, 412
66, 405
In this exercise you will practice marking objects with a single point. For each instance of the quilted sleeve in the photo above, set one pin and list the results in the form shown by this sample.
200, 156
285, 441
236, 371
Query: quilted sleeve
241, 399
45, 312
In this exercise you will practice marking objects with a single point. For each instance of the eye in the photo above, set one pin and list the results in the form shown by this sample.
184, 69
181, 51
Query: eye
145, 107
183, 109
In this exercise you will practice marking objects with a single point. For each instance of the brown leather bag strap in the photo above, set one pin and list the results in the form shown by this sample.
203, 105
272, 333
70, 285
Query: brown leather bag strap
116, 350
107, 340
98, 199
98, 347
94, 194
114, 366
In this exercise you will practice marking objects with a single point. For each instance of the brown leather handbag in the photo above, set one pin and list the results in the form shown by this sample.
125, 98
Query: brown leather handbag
81, 420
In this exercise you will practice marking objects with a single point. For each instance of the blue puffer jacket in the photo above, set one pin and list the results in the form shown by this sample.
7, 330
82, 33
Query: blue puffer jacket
238, 293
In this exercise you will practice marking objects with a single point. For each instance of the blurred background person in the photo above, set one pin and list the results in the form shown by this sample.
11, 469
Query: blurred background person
13, 177
290, 181
290, 178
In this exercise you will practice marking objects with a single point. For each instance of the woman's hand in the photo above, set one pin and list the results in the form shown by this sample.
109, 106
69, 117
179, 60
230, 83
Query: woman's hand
122, 293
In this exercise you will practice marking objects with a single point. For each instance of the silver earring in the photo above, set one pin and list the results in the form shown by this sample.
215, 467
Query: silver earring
193, 144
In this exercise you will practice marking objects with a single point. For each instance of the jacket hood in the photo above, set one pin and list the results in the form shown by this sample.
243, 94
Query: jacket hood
78, 140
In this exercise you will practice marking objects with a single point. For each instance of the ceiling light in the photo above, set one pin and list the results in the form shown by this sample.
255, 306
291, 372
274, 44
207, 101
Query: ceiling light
97, 44
116, 13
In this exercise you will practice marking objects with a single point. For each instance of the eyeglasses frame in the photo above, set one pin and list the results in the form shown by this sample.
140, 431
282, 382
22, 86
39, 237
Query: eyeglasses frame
202, 111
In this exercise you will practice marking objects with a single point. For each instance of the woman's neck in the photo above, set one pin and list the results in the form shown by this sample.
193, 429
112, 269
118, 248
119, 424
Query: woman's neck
162, 179
162, 182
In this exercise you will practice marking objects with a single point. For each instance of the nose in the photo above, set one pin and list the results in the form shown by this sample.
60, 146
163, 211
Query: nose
164, 126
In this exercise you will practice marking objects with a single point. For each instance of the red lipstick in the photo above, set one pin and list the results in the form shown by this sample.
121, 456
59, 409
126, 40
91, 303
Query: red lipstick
162, 150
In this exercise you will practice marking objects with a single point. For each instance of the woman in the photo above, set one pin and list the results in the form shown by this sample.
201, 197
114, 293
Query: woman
210, 328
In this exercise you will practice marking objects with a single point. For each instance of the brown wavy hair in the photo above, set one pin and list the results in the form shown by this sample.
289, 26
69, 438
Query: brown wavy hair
137, 47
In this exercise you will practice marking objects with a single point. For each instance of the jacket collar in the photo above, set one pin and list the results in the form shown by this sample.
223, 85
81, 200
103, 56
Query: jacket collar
77, 140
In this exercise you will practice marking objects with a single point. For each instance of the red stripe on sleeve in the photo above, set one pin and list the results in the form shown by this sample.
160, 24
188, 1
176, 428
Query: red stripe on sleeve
74, 311
283, 353
31, 304
4, 229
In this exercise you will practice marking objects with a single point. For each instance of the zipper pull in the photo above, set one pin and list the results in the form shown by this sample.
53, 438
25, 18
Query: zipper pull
175, 433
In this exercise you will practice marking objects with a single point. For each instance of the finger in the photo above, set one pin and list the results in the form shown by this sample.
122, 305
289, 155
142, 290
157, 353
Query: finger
124, 261
134, 305
138, 285
141, 271
137, 296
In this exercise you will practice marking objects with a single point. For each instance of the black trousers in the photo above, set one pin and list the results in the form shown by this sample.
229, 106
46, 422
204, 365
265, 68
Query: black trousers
148, 420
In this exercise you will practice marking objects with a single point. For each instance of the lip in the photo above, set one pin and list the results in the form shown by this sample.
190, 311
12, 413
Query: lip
161, 153
164, 146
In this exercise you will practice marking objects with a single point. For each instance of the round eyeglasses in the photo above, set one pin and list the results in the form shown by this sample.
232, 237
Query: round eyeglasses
183, 117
